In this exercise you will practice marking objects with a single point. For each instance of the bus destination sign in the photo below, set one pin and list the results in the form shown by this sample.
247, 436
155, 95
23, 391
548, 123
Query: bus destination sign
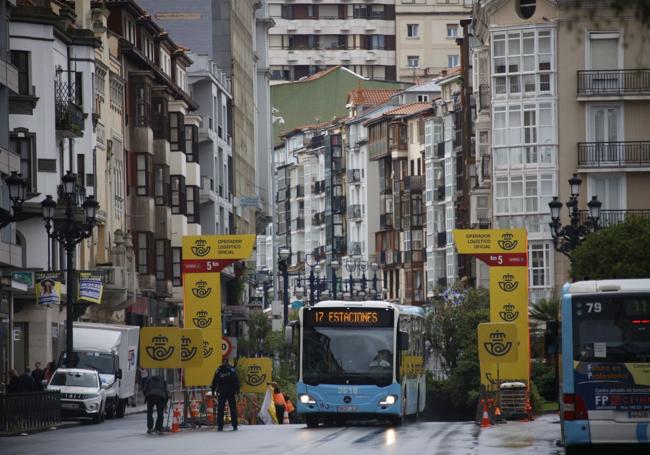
344, 317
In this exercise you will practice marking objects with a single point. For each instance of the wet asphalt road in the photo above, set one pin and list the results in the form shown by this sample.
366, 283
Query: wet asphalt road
128, 436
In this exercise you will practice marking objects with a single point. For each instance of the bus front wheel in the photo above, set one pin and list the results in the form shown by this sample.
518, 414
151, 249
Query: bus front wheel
311, 422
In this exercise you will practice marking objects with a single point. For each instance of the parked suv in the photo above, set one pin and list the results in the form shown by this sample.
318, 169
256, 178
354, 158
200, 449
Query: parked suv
82, 394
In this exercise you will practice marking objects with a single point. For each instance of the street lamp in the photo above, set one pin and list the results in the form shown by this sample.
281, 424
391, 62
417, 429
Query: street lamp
374, 268
568, 238
317, 269
69, 232
284, 254
351, 266
17, 193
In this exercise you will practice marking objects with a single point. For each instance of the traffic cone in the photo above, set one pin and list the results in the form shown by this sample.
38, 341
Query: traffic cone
209, 411
485, 421
176, 422
194, 408
285, 419
497, 415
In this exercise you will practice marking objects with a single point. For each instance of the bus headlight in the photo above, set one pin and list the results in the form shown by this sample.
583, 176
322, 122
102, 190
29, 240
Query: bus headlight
306, 399
389, 400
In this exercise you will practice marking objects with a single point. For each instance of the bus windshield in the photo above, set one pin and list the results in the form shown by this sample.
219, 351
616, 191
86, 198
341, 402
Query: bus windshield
615, 329
348, 355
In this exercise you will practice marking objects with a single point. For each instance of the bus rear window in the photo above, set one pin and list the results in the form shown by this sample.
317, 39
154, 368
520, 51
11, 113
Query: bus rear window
613, 329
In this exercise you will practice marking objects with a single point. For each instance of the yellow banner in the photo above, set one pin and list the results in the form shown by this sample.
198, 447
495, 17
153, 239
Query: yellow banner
207, 247
509, 303
202, 293
480, 241
48, 287
254, 374
412, 365
191, 348
497, 342
160, 347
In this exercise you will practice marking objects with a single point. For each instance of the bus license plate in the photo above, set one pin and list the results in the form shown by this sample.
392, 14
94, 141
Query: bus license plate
346, 408
638, 414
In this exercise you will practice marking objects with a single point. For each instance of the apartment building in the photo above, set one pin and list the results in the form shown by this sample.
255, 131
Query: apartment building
426, 33
162, 149
396, 142
311, 35
11, 256
51, 129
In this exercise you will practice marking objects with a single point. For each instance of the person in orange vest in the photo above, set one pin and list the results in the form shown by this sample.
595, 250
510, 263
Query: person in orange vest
289, 408
280, 404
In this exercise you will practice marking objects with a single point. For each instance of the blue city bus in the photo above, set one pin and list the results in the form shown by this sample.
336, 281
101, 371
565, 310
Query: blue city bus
605, 363
360, 360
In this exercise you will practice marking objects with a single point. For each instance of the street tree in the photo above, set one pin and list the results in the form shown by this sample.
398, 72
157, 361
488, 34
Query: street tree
619, 251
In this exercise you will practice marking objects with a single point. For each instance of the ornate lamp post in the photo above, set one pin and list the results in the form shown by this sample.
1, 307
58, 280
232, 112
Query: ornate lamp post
335, 266
69, 231
353, 265
17, 193
374, 268
567, 238
284, 254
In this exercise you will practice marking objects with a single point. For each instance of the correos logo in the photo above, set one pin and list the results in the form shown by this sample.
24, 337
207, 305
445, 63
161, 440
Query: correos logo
498, 346
159, 350
200, 248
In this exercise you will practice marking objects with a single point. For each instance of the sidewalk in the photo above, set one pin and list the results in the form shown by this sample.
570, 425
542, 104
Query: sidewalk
138, 409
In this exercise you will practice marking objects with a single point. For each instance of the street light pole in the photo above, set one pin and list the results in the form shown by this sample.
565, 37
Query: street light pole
70, 232
568, 238
284, 255
335, 266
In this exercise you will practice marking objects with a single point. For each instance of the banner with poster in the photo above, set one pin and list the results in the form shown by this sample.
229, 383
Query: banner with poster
47, 286
91, 287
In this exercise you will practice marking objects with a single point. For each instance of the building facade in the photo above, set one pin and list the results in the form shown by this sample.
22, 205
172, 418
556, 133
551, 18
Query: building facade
312, 35
426, 33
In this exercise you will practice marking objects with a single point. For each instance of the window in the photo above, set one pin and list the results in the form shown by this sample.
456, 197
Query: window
177, 132
81, 168
142, 104
177, 259
526, 8
540, 264
165, 61
193, 211
144, 247
23, 145
603, 51
160, 118
181, 77
453, 61
178, 196
163, 259
522, 62
452, 31
413, 61
144, 174
191, 143
21, 60
413, 30
128, 29
423, 98
528, 131
117, 93
518, 194
161, 184
287, 12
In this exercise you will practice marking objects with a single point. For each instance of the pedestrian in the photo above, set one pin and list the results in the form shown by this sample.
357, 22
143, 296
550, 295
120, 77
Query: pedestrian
49, 371
26, 381
38, 374
290, 409
280, 404
144, 375
226, 384
156, 394
12, 381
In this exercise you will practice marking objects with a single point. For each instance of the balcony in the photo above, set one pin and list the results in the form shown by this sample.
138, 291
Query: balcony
612, 217
354, 176
440, 194
633, 83
318, 219
299, 224
318, 187
300, 191
207, 192
441, 239
338, 164
68, 113
386, 221
414, 183
338, 245
355, 212
613, 154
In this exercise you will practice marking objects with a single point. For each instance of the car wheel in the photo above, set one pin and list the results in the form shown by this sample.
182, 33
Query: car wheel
110, 409
99, 417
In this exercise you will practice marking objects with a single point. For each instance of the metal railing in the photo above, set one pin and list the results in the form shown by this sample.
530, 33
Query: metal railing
318, 219
414, 183
354, 175
69, 115
613, 154
612, 217
614, 82
355, 211
24, 412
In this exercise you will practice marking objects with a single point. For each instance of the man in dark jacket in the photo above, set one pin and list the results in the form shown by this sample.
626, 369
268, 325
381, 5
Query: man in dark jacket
156, 394
226, 383
38, 374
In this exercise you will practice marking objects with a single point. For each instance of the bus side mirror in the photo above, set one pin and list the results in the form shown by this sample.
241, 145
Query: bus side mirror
403, 341
288, 334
